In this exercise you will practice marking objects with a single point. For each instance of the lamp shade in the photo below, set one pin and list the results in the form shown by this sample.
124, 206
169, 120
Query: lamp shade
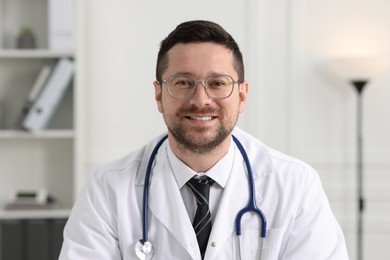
357, 68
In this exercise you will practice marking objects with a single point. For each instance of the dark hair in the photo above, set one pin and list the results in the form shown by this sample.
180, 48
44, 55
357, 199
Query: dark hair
199, 31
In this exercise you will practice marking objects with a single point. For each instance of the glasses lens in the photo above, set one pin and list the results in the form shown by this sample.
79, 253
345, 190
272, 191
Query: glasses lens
181, 86
220, 86
184, 86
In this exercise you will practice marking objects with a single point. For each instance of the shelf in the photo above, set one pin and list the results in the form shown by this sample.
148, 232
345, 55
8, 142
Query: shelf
34, 53
45, 134
34, 214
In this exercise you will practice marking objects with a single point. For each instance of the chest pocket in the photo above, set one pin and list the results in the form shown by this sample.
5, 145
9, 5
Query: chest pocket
250, 245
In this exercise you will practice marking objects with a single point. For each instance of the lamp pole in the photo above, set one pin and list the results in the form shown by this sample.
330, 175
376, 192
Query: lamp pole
359, 86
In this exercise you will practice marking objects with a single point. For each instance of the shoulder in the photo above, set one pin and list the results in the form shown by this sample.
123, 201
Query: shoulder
268, 161
127, 167
127, 164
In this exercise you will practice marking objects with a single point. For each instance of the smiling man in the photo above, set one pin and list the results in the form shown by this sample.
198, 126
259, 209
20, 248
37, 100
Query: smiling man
181, 196
200, 114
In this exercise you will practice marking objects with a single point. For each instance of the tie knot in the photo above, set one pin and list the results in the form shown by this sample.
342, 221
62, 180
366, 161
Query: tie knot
201, 188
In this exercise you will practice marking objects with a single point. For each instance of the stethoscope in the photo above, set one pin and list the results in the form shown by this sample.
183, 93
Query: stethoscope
144, 248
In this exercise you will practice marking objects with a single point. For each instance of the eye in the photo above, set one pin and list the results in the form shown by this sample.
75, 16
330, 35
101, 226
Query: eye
181, 82
218, 82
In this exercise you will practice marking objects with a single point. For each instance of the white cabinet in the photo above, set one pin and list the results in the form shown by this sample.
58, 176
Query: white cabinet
43, 159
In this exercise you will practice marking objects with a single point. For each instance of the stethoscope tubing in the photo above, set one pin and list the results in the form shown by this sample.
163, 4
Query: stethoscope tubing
250, 207
146, 189
252, 198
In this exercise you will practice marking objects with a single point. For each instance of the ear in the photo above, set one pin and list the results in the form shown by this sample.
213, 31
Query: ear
158, 95
243, 94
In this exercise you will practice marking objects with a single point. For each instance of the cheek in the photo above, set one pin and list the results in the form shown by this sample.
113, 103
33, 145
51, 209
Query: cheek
167, 105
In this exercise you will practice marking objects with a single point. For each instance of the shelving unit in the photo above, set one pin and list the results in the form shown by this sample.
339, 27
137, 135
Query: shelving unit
47, 134
34, 53
36, 214
43, 159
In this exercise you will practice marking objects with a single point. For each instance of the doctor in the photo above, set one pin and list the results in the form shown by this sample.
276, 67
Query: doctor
200, 91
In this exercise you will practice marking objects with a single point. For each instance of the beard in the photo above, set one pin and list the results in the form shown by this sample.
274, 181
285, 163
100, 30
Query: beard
200, 139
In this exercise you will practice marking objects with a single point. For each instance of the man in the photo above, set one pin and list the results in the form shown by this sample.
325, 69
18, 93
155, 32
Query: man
200, 91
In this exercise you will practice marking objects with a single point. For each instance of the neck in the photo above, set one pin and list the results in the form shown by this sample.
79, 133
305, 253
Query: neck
199, 162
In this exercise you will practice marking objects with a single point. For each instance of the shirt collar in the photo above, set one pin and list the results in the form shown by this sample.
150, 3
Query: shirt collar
219, 172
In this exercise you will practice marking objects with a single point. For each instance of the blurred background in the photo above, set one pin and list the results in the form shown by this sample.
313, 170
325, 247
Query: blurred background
301, 100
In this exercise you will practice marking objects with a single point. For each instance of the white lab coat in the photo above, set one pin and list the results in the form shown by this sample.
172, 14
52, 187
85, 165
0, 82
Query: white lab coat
105, 222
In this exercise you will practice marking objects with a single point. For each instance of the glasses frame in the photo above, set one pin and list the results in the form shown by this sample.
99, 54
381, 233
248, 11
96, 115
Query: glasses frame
196, 85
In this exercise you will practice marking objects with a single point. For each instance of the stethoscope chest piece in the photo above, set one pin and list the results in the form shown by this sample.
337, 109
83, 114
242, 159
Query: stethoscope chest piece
144, 250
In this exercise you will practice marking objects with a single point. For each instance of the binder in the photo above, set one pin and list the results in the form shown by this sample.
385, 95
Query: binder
37, 88
38, 117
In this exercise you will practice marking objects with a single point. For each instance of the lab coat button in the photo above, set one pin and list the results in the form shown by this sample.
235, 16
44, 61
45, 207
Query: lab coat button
213, 244
193, 244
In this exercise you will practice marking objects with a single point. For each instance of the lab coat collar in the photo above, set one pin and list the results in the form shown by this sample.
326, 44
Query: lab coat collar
258, 153
145, 156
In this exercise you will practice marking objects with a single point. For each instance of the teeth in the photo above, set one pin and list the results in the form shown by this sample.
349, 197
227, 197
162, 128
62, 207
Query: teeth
204, 118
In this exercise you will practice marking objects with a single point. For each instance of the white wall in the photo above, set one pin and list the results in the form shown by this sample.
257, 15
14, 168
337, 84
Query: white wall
293, 105
323, 110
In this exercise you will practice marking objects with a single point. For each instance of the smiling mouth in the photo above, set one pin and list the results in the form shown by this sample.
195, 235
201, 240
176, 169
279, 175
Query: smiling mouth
201, 118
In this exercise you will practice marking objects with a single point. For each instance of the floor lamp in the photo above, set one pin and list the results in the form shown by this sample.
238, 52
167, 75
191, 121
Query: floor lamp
358, 71
359, 86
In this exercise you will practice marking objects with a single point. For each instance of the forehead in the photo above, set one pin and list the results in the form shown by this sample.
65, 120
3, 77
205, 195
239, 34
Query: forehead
200, 59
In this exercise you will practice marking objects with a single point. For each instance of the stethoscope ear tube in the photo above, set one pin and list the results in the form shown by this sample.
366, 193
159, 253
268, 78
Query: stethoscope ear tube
146, 190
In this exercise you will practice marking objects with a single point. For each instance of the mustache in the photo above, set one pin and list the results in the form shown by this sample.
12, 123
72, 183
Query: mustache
196, 110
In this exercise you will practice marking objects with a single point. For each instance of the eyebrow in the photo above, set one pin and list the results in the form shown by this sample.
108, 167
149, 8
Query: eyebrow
184, 73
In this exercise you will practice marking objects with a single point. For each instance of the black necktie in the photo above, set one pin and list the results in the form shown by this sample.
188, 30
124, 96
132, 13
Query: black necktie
202, 222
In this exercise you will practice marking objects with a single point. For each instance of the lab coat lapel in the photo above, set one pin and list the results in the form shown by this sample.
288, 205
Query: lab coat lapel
166, 203
235, 197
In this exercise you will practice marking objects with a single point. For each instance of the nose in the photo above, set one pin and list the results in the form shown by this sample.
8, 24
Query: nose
200, 96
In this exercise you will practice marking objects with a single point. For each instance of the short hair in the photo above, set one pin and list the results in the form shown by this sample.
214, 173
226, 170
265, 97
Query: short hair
199, 31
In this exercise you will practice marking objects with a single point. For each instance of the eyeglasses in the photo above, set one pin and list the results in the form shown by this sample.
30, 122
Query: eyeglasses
184, 86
